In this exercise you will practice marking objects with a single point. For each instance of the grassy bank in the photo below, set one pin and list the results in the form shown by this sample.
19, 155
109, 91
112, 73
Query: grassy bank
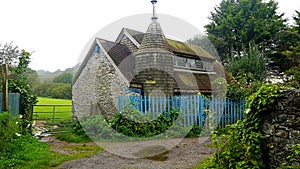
26, 152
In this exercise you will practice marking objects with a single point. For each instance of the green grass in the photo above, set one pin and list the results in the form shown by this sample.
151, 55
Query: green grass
43, 100
206, 163
26, 153
46, 112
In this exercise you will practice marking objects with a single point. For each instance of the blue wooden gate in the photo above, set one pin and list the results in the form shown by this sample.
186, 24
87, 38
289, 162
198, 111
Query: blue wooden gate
194, 109
13, 103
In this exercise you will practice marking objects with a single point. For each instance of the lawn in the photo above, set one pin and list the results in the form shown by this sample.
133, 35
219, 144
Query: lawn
47, 108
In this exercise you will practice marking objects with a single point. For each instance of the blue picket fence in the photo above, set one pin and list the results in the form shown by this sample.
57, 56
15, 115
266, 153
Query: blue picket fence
13, 103
194, 109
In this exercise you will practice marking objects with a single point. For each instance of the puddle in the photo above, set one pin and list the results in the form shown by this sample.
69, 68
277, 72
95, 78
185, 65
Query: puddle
155, 153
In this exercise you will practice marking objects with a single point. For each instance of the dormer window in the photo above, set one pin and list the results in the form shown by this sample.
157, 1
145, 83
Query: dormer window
189, 63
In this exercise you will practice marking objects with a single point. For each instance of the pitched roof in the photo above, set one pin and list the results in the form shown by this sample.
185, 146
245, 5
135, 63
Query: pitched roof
174, 46
121, 56
154, 39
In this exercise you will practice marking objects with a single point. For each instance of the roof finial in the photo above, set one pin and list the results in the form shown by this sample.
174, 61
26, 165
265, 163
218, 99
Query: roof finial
154, 17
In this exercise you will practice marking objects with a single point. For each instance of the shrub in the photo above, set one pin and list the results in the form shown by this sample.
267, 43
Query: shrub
9, 130
241, 145
130, 124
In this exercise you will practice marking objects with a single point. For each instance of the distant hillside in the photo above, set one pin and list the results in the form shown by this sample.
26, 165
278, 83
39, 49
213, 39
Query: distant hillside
47, 76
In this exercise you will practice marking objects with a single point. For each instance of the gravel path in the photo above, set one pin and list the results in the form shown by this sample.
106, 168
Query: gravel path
152, 154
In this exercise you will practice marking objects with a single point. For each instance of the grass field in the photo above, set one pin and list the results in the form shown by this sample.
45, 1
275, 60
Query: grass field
46, 108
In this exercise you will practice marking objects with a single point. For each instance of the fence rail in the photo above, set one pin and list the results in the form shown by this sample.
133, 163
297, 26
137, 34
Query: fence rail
193, 109
52, 114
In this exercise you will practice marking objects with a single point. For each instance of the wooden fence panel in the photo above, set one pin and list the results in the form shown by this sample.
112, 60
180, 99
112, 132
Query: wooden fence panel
194, 109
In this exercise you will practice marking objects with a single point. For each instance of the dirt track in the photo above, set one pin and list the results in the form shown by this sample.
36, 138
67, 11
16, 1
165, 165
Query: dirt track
156, 154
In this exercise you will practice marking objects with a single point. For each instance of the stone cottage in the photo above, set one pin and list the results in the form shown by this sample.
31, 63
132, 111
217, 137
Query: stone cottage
140, 63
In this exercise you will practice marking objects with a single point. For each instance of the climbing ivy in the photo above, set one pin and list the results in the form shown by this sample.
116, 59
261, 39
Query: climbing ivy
241, 146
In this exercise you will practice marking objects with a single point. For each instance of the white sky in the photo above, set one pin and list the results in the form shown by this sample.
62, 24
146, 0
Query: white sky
58, 30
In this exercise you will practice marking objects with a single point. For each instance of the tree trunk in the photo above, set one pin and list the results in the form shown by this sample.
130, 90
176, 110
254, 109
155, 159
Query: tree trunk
4, 87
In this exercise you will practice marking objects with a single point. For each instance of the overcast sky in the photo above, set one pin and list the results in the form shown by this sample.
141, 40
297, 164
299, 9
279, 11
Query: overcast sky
58, 30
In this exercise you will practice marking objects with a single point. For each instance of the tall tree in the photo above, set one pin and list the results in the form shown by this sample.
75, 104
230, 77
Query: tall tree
251, 66
297, 21
18, 61
236, 23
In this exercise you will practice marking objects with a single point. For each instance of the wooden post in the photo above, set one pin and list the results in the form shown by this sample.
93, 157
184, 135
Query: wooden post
4, 87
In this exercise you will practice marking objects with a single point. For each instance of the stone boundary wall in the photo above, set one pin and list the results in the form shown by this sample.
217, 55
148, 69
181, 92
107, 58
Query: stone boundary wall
281, 127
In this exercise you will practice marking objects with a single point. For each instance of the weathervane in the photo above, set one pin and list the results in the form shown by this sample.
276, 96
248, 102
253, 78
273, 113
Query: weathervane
154, 17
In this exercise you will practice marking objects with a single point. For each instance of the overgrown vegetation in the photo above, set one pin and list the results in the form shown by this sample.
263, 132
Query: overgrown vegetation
128, 124
18, 61
241, 145
19, 150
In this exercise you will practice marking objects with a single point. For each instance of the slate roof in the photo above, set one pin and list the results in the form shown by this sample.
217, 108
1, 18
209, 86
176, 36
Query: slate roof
121, 56
177, 47
153, 40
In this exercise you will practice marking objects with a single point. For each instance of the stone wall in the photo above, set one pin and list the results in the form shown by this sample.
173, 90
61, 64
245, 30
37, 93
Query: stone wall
282, 128
84, 89
97, 87
110, 86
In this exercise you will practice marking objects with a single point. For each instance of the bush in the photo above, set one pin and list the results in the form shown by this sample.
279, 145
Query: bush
241, 145
9, 130
131, 124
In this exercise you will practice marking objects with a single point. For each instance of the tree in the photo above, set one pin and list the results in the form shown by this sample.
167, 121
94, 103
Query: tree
236, 23
66, 77
290, 51
250, 65
18, 61
297, 21
249, 69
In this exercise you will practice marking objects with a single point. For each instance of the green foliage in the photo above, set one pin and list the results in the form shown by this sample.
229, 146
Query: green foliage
206, 164
242, 89
131, 124
19, 150
241, 145
74, 133
25, 152
66, 77
251, 65
53, 90
235, 23
9, 129
19, 84
18, 61
293, 75
297, 21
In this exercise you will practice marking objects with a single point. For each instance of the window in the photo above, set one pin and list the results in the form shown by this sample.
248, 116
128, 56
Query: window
97, 48
181, 61
199, 64
191, 63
